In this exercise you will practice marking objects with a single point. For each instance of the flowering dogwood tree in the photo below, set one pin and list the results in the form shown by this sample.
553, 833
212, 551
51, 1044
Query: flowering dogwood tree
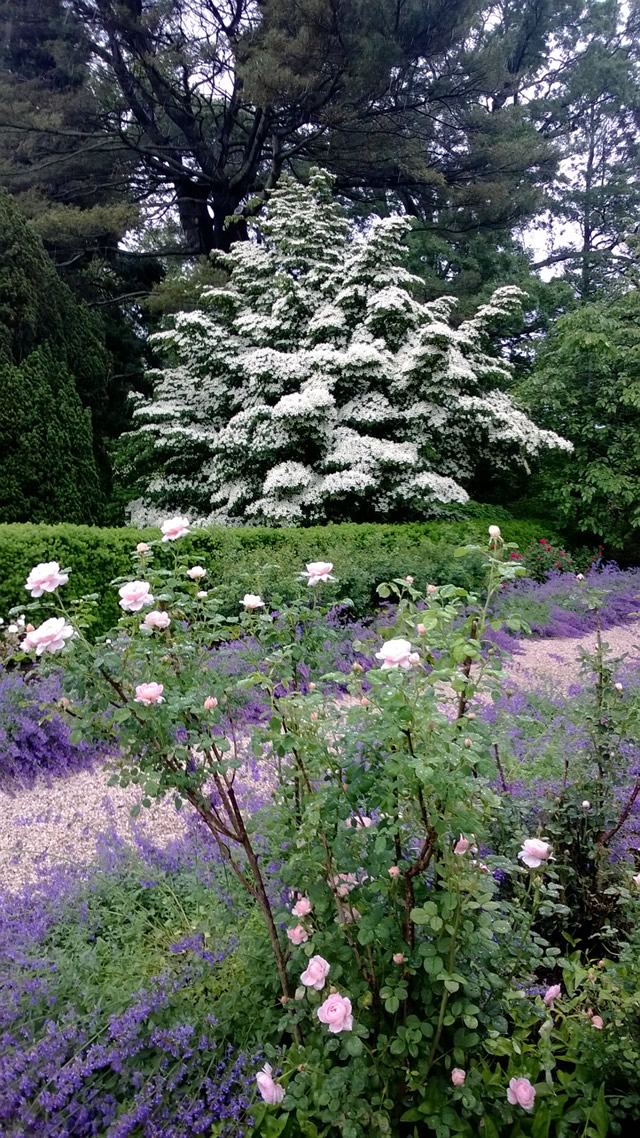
316, 385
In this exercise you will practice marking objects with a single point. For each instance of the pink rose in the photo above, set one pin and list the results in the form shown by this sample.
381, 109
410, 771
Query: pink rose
396, 654
149, 693
336, 1013
347, 914
210, 702
458, 1076
196, 572
421, 629
520, 1092
494, 532
156, 619
467, 742
398, 958
619, 687
271, 1092
636, 879
534, 852
344, 882
142, 547
462, 845
201, 595
174, 528
297, 935
364, 702
597, 1021
409, 580
432, 589
50, 636
394, 871
315, 974
358, 823
552, 994
318, 571
135, 595
45, 578
302, 908
252, 601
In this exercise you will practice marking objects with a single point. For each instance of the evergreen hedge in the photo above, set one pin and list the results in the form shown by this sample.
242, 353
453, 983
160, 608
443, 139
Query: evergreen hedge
257, 559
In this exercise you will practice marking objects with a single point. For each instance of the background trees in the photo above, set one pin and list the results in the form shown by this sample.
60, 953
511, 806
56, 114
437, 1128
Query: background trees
587, 384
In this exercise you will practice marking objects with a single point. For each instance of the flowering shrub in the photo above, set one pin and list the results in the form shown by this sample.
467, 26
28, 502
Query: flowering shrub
34, 735
316, 385
403, 929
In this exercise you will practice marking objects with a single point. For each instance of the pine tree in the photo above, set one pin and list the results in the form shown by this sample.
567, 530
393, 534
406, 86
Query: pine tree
315, 386
47, 469
49, 351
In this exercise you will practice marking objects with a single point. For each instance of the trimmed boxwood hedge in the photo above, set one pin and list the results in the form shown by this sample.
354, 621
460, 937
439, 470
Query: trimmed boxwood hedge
256, 559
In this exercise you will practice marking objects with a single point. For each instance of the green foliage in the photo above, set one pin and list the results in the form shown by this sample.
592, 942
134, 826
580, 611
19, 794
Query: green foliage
257, 559
389, 834
587, 383
47, 467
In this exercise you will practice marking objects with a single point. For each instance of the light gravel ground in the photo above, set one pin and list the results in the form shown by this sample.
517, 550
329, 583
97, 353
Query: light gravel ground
62, 823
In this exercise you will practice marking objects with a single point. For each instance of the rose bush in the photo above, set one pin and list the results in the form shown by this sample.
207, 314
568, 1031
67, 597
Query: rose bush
395, 938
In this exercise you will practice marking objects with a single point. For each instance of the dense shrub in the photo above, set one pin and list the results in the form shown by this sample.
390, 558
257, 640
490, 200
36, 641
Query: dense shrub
266, 560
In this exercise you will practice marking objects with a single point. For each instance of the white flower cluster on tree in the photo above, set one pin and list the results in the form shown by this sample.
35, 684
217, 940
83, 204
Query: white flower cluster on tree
316, 385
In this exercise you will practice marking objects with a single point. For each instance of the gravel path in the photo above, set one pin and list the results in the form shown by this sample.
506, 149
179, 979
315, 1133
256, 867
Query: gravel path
62, 823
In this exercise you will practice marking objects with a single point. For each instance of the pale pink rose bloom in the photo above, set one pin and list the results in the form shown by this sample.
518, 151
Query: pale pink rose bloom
252, 601
142, 547
347, 914
414, 658
297, 935
271, 1092
344, 883
467, 742
462, 845
597, 1021
364, 702
196, 572
65, 701
156, 619
302, 908
315, 974
520, 1092
50, 636
210, 702
149, 693
336, 1013
318, 571
579, 576
552, 994
45, 578
534, 852
586, 805
359, 823
396, 654
432, 589
31, 628
636, 879
135, 595
619, 687
494, 532
201, 595
394, 871
421, 629
398, 958
458, 1076
471, 715
409, 580
174, 528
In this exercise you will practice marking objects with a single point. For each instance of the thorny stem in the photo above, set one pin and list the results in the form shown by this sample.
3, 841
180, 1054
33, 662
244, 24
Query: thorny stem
503, 781
463, 699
